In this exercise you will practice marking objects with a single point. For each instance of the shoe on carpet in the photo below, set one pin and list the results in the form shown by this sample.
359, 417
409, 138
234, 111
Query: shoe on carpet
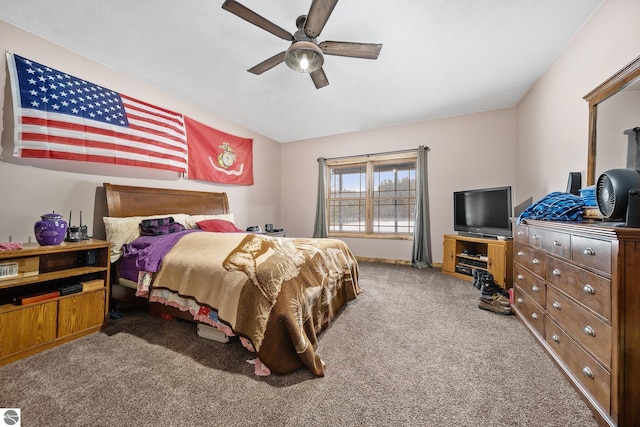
501, 299
494, 306
490, 289
485, 279
476, 278
115, 315
481, 277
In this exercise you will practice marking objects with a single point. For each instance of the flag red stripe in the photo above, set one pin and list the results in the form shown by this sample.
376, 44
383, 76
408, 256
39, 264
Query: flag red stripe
155, 122
176, 120
37, 137
98, 131
154, 107
59, 155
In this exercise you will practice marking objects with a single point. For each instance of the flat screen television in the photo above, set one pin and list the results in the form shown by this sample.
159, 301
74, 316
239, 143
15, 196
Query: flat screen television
484, 212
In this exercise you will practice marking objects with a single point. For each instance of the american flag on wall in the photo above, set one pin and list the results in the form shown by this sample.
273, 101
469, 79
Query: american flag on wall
59, 116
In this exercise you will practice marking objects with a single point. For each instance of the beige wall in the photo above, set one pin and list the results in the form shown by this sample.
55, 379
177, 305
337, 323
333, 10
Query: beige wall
470, 151
552, 130
30, 188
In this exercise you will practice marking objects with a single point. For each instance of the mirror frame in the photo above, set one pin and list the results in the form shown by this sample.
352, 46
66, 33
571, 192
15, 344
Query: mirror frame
608, 88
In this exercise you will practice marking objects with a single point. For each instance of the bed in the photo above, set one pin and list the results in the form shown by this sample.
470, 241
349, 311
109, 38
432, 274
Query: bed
276, 293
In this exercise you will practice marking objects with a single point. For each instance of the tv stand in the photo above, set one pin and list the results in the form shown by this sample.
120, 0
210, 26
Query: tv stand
463, 253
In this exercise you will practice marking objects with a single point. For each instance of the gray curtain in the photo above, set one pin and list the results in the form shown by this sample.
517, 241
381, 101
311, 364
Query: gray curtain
320, 228
421, 256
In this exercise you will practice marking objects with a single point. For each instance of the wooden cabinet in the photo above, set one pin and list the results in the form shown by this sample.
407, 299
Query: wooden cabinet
577, 290
31, 327
463, 254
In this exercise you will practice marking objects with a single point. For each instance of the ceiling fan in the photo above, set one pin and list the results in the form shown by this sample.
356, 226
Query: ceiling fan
305, 55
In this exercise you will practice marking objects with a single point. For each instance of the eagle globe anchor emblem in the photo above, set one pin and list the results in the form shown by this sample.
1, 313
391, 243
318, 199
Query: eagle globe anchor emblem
226, 159
227, 156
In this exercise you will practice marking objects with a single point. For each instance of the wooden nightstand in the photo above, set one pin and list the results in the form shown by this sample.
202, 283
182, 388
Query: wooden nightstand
33, 327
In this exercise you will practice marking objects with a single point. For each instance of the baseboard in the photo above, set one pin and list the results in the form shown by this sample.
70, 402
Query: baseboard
393, 261
384, 260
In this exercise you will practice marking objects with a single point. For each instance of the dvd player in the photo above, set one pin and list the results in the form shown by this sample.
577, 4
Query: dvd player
464, 269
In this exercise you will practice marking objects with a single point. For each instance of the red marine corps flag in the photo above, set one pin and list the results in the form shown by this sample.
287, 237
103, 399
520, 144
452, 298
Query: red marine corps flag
217, 156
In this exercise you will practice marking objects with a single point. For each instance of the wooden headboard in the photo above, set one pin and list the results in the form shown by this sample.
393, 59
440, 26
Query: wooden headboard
124, 200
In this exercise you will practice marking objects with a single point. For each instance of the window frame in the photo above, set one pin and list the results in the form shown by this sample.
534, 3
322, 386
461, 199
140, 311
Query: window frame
369, 161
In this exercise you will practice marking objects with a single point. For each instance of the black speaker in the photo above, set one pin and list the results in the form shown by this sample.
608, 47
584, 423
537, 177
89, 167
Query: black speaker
633, 208
574, 183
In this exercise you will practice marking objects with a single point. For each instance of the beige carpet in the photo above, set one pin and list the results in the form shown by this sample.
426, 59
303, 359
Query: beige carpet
413, 350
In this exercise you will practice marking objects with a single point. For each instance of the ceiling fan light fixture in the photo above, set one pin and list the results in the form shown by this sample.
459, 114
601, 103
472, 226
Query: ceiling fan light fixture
304, 57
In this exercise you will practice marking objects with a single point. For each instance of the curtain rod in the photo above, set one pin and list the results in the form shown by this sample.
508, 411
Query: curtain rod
375, 154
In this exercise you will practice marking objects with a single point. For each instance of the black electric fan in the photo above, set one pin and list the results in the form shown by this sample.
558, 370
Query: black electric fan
612, 192
613, 186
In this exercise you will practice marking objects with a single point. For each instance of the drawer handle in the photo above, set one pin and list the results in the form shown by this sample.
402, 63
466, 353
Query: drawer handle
536, 261
587, 371
520, 300
556, 272
520, 253
535, 237
556, 305
520, 232
589, 289
589, 331
556, 243
556, 338
534, 288
589, 251
520, 277
534, 316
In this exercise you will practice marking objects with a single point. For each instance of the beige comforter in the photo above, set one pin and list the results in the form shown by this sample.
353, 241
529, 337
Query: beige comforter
279, 293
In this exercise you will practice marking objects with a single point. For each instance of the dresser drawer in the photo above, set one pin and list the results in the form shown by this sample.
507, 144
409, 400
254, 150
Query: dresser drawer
533, 285
529, 311
553, 242
521, 233
592, 333
592, 253
595, 378
533, 259
588, 288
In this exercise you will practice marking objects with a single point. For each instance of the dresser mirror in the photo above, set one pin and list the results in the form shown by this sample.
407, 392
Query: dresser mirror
614, 107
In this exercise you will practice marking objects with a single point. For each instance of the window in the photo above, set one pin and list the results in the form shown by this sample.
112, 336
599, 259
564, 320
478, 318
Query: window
374, 196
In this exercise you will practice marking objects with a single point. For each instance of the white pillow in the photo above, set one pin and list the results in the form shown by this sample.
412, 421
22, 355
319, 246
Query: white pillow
193, 220
124, 230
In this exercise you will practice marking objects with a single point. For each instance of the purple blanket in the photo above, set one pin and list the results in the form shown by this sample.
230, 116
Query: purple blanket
146, 252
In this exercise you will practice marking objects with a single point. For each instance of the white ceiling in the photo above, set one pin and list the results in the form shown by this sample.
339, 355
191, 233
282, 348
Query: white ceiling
439, 58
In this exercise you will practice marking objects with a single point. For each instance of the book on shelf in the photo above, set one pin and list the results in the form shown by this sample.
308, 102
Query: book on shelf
91, 285
30, 299
70, 289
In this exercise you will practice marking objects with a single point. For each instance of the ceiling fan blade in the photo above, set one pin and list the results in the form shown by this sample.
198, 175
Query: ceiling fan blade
255, 19
354, 50
267, 64
318, 15
319, 78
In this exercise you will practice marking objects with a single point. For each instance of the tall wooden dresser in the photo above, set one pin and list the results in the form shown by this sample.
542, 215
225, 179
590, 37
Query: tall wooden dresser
577, 290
